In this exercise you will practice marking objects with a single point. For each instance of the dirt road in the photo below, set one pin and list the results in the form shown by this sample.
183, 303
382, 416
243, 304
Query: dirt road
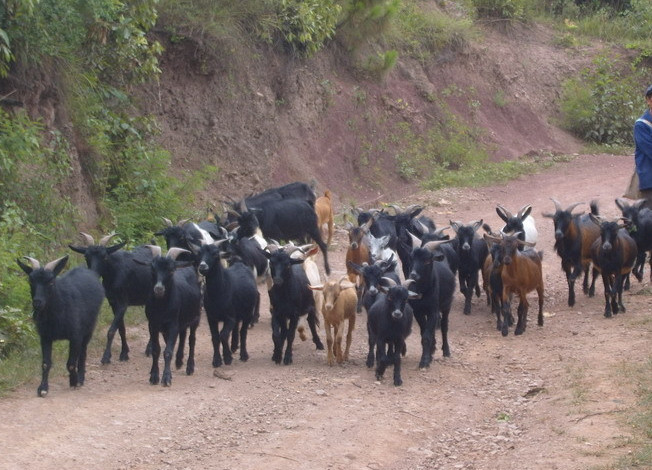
554, 398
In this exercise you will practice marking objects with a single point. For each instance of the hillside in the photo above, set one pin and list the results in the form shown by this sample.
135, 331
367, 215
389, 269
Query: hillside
266, 119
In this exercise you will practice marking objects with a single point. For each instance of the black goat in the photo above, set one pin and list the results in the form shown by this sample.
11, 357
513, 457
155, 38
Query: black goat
382, 224
435, 282
290, 298
638, 222
471, 252
295, 190
403, 221
574, 235
65, 308
185, 234
125, 282
290, 219
522, 223
613, 256
389, 323
371, 275
230, 297
172, 308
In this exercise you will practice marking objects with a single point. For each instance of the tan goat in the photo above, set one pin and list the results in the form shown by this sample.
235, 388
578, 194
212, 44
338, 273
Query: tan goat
324, 211
340, 302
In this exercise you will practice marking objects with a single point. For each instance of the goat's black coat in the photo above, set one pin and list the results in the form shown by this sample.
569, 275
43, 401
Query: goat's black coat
231, 298
574, 235
435, 281
290, 219
290, 298
471, 252
371, 276
613, 255
639, 225
125, 283
172, 308
65, 308
389, 323
295, 190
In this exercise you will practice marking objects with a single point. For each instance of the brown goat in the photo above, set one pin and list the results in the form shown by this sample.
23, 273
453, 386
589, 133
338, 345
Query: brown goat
340, 302
521, 273
358, 249
324, 211
574, 235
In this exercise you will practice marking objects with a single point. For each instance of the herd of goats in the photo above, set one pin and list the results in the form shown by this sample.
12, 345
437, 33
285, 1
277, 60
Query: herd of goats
219, 264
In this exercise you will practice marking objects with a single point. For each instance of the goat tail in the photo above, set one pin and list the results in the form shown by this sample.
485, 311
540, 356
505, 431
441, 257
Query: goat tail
302, 332
594, 207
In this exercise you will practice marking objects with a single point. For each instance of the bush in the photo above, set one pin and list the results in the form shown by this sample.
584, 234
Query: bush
602, 104
503, 9
306, 24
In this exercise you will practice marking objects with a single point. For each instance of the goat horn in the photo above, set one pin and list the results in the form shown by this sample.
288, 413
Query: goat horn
424, 229
396, 208
413, 207
573, 206
407, 283
182, 222
155, 249
105, 240
167, 221
524, 243
33, 261
416, 241
87, 239
432, 245
557, 204
242, 206
492, 238
440, 232
176, 251
50, 266
388, 280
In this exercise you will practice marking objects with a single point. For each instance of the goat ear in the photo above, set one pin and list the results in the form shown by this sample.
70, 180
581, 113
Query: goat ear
502, 213
78, 249
525, 211
548, 215
595, 219
476, 225
28, 269
356, 267
114, 248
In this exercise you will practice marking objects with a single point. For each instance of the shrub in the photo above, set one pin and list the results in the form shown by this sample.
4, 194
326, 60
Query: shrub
307, 24
602, 104
504, 9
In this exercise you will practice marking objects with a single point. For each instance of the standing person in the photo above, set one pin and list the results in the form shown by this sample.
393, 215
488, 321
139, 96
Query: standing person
643, 151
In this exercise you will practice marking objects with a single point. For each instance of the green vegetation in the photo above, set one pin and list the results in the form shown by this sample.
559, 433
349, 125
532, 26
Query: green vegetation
602, 104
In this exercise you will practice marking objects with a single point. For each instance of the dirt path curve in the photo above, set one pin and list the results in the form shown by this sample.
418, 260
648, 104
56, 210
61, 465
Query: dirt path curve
554, 398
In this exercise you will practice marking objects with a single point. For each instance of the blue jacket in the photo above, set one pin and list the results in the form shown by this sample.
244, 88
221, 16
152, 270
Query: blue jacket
643, 152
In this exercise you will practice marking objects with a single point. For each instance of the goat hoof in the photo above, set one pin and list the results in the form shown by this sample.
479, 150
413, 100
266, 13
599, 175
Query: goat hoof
519, 331
124, 357
42, 391
287, 361
244, 357
398, 383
